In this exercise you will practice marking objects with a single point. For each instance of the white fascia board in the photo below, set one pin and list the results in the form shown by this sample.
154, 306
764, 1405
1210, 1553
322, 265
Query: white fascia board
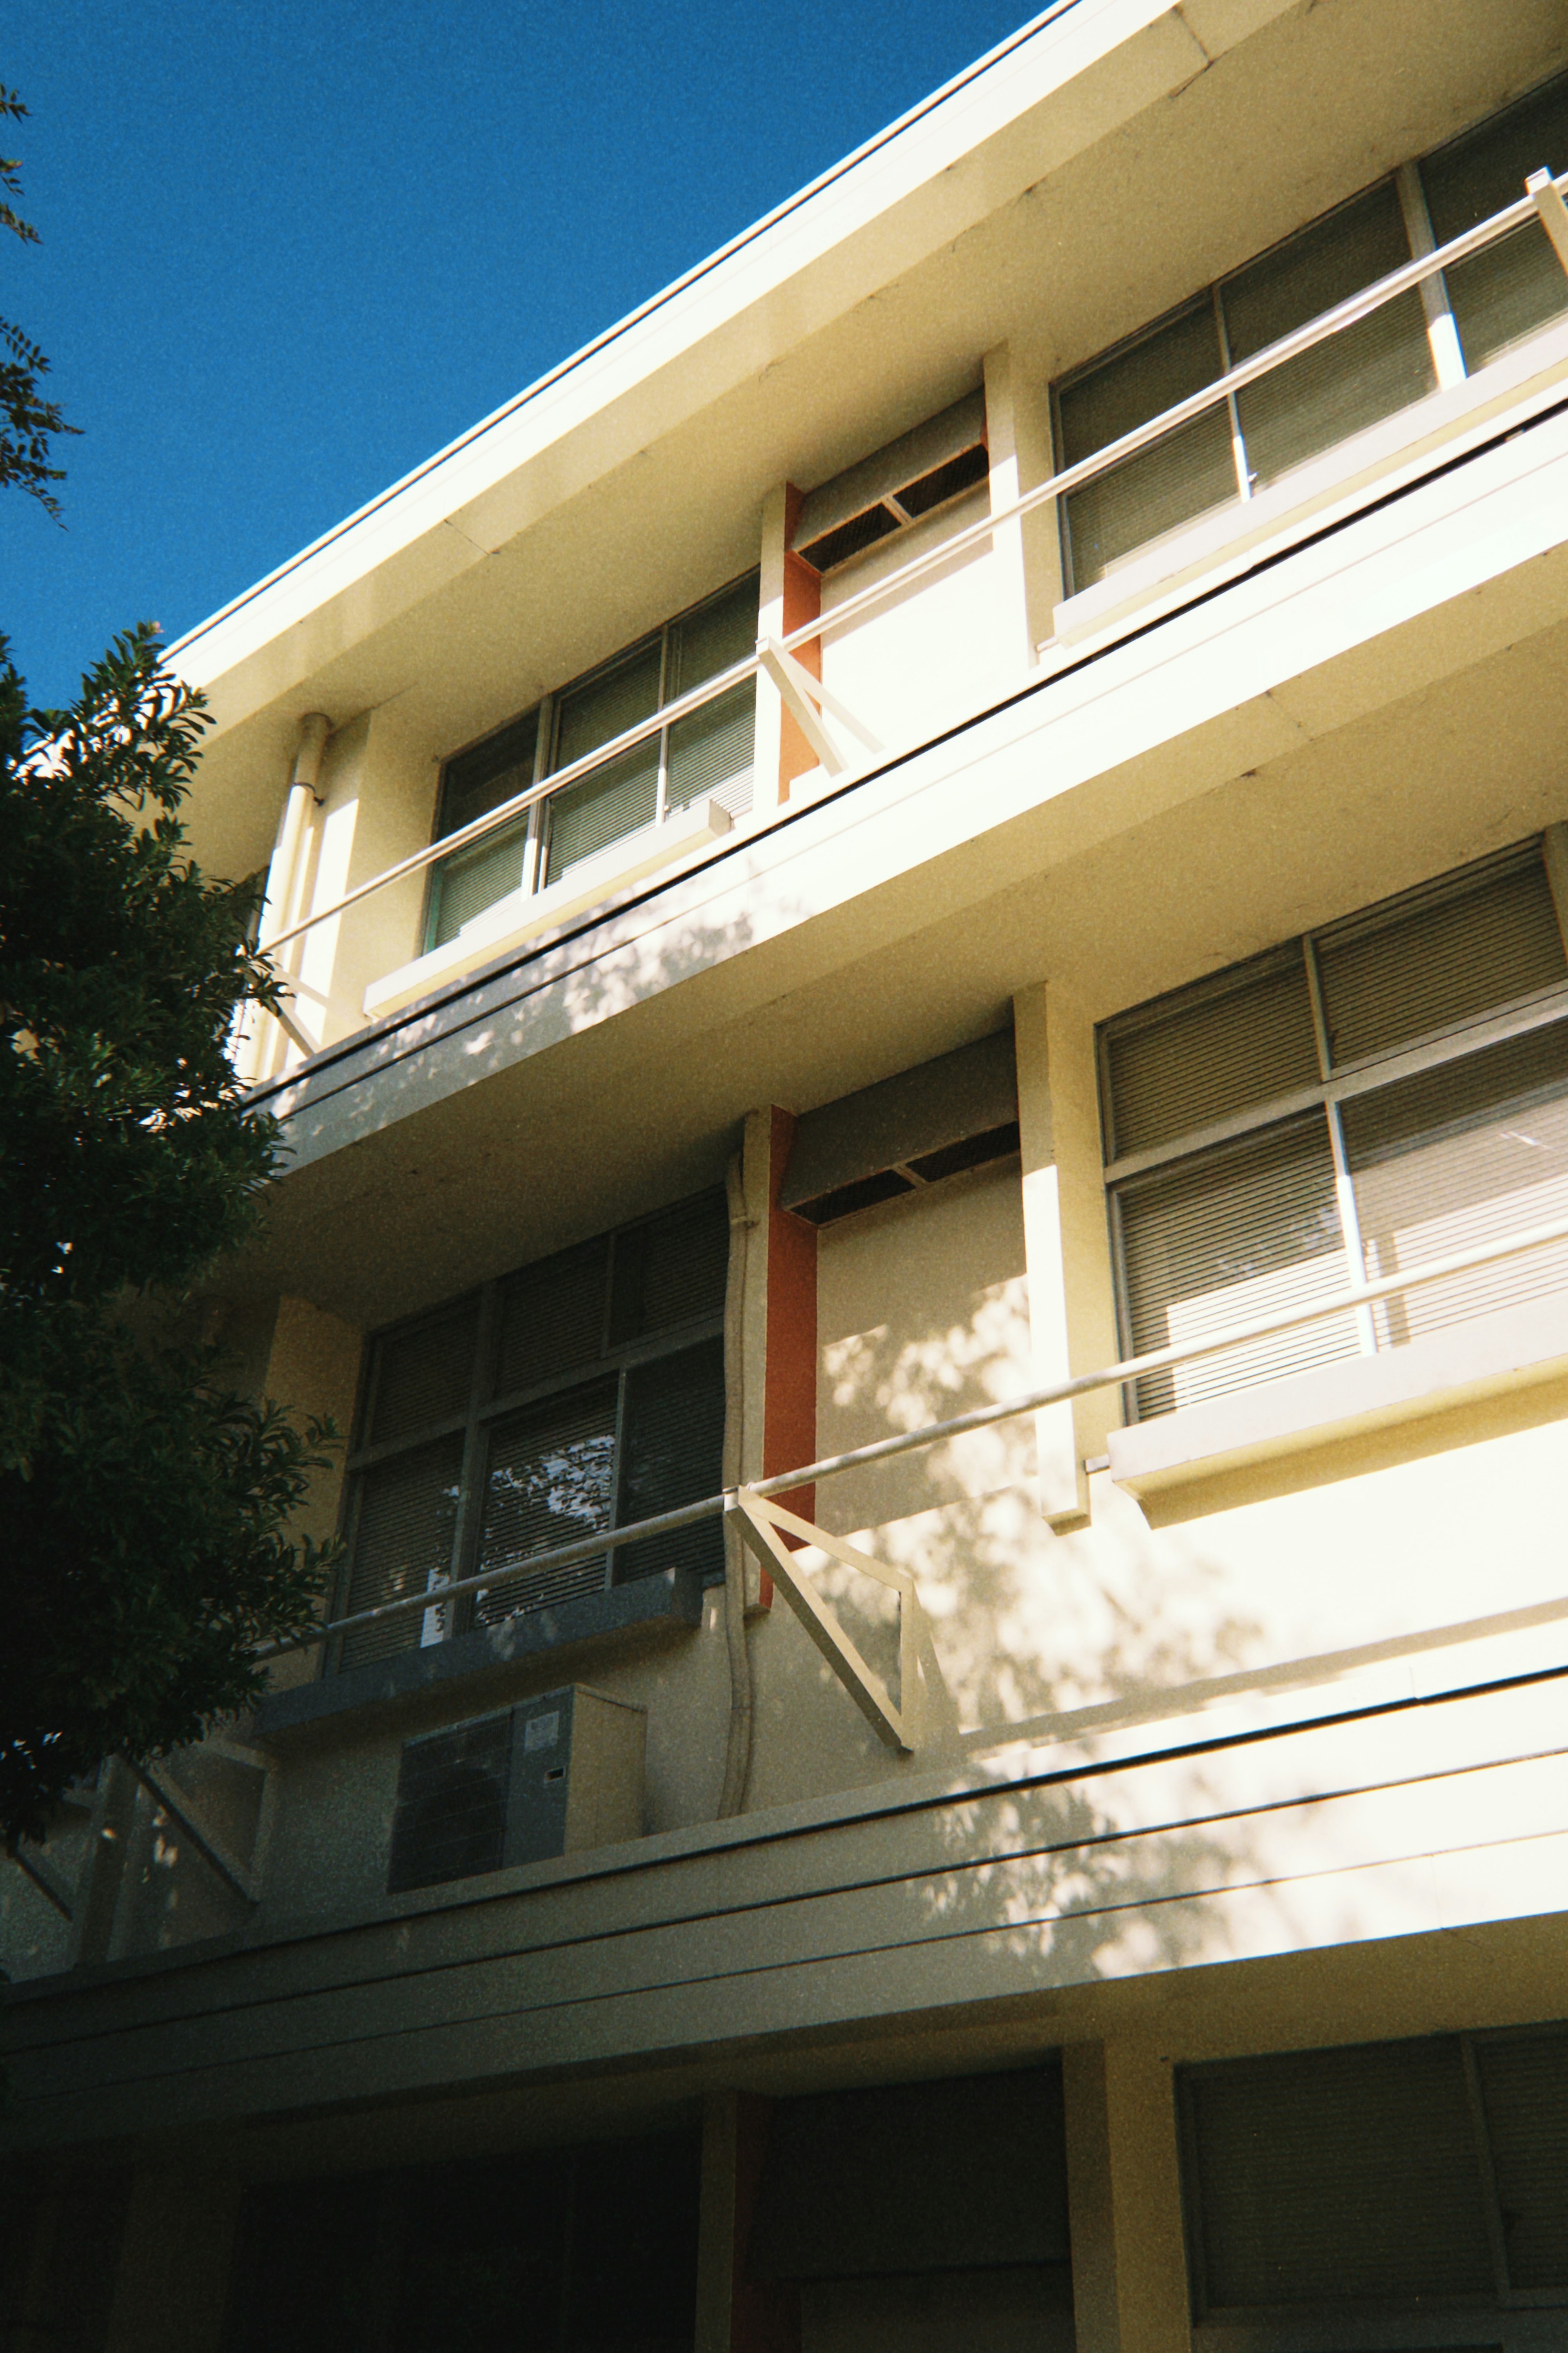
917, 158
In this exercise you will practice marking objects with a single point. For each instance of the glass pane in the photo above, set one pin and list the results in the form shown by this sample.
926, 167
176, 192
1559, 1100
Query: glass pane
553, 1318
1326, 2176
1452, 955
711, 753
1524, 2083
616, 800
482, 779
1454, 1160
1244, 1038
422, 1377
550, 1480
1239, 1235
1184, 475
607, 704
406, 1520
1364, 373
673, 1269
1515, 286
472, 881
674, 1454
723, 631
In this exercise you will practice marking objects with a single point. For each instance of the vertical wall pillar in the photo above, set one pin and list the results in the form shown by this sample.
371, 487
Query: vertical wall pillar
735, 2315
790, 596
312, 1368
1124, 2199
1072, 1306
1028, 548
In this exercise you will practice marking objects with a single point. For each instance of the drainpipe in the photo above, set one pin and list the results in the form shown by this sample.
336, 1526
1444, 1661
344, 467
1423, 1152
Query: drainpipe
282, 874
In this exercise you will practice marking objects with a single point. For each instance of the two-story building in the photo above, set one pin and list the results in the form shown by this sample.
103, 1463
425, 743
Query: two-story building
972, 806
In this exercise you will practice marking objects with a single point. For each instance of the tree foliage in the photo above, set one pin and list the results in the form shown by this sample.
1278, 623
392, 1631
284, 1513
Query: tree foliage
26, 419
145, 1507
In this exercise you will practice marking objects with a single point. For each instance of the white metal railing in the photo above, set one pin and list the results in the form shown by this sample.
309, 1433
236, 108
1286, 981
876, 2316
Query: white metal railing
1543, 202
884, 1450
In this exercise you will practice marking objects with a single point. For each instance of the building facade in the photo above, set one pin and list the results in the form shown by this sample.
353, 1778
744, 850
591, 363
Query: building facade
970, 806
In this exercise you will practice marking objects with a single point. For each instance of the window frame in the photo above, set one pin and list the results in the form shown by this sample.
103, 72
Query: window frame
1336, 1084
486, 1408
546, 715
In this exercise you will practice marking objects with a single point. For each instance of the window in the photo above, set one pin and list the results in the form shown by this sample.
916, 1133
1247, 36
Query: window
581, 1393
1389, 2173
708, 754
1366, 372
1388, 1090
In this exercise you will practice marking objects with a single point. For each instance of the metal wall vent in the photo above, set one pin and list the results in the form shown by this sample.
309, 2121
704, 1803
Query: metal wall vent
554, 1774
958, 1112
895, 487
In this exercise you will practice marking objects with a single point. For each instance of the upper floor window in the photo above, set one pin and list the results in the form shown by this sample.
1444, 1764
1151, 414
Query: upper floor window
581, 1393
1386, 1091
1354, 378
709, 755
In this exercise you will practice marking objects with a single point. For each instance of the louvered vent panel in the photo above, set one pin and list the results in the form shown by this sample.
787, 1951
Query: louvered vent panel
945, 481
674, 1447
421, 1378
1327, 2176
1348, 382
551, 1480
1519, 284
1213, 1050
405, 1515
1524, 2083
1185, 475
1451, 957
1243, 1233
1455, 1159
553, 1318
712, 752
673, 1269
450, 1819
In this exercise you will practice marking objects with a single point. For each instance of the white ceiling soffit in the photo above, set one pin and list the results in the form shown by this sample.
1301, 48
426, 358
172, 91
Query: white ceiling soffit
902, 184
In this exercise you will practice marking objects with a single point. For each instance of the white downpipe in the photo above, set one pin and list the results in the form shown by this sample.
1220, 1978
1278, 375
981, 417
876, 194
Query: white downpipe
286, 873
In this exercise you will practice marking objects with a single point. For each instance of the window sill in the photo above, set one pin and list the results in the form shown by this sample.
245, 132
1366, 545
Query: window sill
1237, 1449
1344, 473
518, 918
486, 1660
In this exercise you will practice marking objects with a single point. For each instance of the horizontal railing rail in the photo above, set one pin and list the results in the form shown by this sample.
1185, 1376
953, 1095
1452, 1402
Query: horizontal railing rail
884, 1450
1545, 202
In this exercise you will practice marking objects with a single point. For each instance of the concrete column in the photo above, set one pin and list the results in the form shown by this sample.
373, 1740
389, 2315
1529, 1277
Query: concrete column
173, 2282
735, 2315
1028, 549
1124, 2199
312, 1368
1063, 1485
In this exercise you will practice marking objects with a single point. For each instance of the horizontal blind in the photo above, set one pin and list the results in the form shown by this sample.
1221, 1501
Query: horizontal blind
1524, 2090
1446, 956
553, 1316
1242, 1038
672, 1453
550, 1479
469, 883
1186, 474
717, 634
1517, 285
478, 781
405, 1519
616, 800
1325, 2177
605, 705
450, 1820
1351, 379
672, 1268
712, 752
1458, 1157
422, 1377
1245, 1232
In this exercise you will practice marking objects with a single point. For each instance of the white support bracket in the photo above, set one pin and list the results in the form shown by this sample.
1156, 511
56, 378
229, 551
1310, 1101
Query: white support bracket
757, 1520
1554, 212
809, 701
46, 1879
182, 1808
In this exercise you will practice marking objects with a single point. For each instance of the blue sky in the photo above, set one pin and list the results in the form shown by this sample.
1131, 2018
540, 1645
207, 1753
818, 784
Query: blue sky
292, 246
